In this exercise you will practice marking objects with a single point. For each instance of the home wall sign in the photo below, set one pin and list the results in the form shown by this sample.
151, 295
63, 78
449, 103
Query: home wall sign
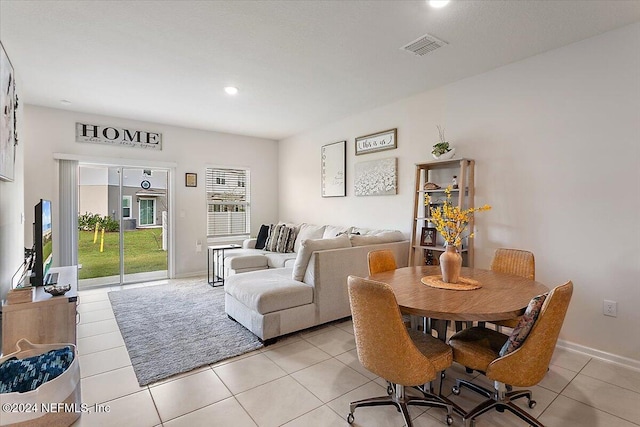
110, 135
385, 140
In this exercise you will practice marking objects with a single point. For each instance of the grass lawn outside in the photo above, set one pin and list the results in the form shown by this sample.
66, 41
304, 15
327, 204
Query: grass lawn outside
142, 253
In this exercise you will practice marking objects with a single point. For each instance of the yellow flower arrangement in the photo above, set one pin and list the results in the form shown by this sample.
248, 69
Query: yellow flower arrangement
450, 220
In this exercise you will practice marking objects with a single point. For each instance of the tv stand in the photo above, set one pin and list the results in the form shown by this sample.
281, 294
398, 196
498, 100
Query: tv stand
46, 319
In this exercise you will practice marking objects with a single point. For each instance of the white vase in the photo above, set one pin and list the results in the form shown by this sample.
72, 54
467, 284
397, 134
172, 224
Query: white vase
446, 156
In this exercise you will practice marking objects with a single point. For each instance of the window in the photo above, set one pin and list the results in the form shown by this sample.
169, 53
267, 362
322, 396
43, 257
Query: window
228, 212
126, 207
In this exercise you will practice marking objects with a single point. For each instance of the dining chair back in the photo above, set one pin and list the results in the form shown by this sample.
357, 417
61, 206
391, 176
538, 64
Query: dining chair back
514, 261
381, 260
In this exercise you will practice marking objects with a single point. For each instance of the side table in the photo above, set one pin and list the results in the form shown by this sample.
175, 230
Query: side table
215, 263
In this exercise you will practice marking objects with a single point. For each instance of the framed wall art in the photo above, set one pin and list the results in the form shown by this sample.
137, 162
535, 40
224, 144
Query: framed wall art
8, 105
385, 140
376, 178
334, 164
190, 179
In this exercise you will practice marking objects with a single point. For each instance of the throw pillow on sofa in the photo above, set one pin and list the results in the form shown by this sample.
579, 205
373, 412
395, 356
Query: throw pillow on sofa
261, 240
333, 230
281, 238
309, 246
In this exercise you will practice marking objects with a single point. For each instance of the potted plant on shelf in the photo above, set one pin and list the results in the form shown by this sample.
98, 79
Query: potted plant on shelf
451, 222
442, 150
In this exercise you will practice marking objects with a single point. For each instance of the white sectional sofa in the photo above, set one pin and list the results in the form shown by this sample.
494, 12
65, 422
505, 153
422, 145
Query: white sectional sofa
274, 294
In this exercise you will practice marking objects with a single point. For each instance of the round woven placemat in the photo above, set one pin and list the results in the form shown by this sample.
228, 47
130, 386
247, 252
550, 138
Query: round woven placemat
464, 284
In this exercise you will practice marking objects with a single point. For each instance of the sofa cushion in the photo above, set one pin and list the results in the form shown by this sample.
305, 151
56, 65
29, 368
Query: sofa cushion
309, 246
261, 240
278, 260
308, 231
331, 231
281, 238
247, 261
267, 291
374, 237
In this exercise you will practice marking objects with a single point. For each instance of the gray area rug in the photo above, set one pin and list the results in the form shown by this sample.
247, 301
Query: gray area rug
169, 329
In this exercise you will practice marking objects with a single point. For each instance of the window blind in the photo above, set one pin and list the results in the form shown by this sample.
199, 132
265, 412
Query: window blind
228, 207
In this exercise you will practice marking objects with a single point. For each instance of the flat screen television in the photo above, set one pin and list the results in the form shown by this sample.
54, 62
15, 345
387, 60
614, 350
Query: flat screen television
42, 243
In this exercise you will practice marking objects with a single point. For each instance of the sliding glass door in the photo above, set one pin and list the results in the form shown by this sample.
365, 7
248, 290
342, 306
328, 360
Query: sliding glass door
123, 225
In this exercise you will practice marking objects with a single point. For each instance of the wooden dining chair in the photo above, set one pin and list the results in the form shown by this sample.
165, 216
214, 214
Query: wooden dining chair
405, 358
517, 262
520, 359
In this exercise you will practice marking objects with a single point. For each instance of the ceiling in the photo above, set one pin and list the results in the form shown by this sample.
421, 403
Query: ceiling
297, 64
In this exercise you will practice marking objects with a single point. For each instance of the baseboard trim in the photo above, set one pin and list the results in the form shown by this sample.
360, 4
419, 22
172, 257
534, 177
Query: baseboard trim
190, 275
609, 357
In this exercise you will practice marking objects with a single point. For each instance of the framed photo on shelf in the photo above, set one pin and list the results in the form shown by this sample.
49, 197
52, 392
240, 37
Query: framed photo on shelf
428, 237
190, 179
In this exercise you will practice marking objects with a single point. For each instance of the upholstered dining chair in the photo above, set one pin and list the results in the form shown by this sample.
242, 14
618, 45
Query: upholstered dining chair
381, 260
517, 262
385, 347
519, 360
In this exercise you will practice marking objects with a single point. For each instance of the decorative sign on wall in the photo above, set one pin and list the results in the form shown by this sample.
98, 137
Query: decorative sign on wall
97, 134
385, 140
333, 169
376, 178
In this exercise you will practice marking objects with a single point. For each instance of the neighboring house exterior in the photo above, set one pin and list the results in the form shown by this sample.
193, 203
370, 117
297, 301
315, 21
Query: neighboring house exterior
141, 207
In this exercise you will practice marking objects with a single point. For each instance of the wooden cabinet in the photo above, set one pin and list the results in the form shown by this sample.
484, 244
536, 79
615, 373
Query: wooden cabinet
440, 172
46, 319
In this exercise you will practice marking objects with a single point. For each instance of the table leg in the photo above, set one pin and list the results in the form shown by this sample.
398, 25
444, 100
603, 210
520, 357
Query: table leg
209, 279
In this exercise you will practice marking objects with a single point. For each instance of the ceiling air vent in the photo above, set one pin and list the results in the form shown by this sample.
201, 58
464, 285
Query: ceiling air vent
424, 45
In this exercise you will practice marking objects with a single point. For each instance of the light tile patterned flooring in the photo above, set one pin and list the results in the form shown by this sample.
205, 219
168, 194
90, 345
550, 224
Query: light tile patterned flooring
308, 380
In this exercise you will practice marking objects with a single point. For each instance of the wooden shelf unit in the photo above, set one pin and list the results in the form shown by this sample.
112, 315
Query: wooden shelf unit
441, 172
46, 319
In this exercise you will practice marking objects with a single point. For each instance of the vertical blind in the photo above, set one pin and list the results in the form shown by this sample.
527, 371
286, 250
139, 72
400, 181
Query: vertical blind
228, 208
68, 213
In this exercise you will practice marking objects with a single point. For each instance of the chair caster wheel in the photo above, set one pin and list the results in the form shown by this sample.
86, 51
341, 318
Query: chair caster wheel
389, 390
532, 404
350, 418
455, 390
509, 387
449, 420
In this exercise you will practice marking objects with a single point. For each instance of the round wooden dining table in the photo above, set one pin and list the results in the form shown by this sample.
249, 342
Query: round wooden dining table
500, 296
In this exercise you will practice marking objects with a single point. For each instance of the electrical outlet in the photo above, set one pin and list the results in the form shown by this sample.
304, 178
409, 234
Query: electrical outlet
610, 308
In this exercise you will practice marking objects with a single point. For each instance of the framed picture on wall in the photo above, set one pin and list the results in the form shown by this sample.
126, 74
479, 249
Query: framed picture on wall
333, 168
428, 237
385, 140
190, 179
8, 107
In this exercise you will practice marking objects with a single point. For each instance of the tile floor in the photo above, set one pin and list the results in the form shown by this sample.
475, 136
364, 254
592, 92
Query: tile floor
308, 380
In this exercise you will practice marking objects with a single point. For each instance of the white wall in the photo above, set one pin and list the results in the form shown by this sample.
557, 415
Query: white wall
51, 131
556, 139
11, 211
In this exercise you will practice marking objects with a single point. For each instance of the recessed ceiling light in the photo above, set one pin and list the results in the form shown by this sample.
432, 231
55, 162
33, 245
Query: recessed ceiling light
231, 90
438, 3
65, 102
